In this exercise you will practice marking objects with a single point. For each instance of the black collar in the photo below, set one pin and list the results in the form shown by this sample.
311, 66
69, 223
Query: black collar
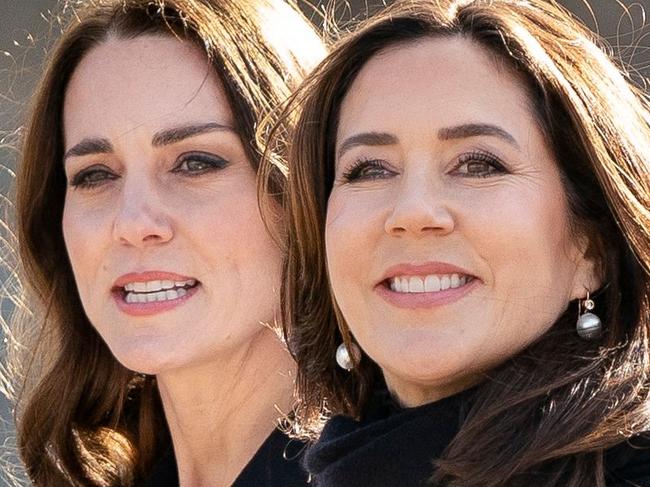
276, 464
390, 446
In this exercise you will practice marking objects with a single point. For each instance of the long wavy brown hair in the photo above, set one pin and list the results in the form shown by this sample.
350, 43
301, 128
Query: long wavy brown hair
545, 416
83, 418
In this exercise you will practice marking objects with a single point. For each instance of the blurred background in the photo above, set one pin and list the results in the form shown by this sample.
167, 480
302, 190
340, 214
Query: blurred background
28, 28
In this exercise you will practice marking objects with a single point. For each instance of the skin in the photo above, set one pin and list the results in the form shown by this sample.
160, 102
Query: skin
161, 207
491, 204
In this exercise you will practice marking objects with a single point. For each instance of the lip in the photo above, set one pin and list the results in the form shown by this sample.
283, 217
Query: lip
154, 307
425, 300
423, 270
123, 280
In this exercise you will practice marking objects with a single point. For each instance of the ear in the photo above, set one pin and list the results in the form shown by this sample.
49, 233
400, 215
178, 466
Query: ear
589, 274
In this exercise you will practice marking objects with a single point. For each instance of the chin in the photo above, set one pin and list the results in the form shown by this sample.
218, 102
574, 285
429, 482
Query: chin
424, 359
424, 369
146, 355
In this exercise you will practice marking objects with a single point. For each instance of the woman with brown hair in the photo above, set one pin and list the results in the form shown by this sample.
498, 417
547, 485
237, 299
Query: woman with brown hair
153, 276
468, 270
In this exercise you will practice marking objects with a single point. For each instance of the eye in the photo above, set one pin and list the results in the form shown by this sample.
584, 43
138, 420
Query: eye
367, 169
92, 177
479, 164
196, 163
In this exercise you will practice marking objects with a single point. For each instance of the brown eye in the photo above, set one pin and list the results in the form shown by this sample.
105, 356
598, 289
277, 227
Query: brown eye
198, 163
92, 177
364, 170
479, 164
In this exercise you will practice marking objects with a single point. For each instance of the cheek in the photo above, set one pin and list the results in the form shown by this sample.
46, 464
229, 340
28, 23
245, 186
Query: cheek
353, 235
530, 253
350, 230
526, 227
241, 254
85, 232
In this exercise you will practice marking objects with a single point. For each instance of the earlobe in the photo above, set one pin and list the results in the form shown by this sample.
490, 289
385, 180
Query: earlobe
588, 277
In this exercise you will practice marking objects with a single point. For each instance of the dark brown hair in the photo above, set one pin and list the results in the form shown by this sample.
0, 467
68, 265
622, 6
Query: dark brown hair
545, 416
83, 418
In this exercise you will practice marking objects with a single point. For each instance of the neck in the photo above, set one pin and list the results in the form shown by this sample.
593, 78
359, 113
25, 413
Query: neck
219, 413
412, 393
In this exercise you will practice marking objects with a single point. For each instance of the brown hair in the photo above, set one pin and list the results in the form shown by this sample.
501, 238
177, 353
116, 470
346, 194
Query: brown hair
83, 418
544, 416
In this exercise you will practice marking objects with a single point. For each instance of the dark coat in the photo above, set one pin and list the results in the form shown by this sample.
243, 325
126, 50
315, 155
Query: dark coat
278, 463
395, 447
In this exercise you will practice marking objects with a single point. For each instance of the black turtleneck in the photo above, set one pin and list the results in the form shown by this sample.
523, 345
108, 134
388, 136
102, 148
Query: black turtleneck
396, 447
277, 463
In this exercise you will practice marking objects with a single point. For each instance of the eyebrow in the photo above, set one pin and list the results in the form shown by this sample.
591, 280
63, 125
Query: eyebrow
99, 145
89, 146
366, 138
176, 134
448, 133
475, 130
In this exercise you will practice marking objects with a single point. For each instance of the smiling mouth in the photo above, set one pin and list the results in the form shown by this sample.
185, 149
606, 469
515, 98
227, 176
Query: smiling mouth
155, 290
430, 283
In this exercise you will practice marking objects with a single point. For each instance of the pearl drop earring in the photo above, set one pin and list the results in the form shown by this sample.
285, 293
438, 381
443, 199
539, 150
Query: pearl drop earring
589, 325
344, 357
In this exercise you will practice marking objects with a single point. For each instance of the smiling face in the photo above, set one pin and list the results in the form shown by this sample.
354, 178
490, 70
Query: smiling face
447, 234
161, 222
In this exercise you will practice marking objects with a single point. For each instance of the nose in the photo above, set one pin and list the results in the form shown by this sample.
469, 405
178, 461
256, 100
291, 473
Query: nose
420, 208
141, 219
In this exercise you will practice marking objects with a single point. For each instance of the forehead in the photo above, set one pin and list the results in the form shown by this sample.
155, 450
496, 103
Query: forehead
436, 82
148, 82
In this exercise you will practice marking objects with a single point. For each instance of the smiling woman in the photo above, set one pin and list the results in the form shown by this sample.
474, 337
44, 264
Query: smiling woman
154, 359
468, 267
149, 184
450, 216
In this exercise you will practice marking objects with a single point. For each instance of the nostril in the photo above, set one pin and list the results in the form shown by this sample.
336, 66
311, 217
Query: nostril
152, 237
146, 226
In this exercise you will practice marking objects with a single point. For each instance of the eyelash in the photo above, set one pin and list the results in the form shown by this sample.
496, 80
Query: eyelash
213, 163
483, 157
83, 179
355, 172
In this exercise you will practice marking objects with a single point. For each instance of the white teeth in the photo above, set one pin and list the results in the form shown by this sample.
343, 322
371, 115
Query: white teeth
140, 287
150, 291
432, 284
153, 286
445, 283
429, 284
416, 285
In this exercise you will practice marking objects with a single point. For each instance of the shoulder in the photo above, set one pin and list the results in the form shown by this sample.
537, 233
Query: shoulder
628, 464
277, 463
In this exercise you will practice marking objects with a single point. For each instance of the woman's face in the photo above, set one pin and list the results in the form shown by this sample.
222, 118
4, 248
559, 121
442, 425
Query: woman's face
448, 240
171, 258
